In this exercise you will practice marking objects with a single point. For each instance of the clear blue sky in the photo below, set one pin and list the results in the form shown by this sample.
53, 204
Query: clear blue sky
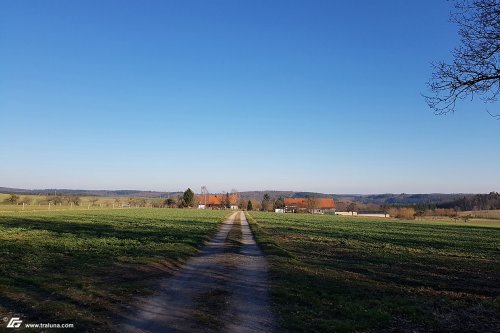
285, 95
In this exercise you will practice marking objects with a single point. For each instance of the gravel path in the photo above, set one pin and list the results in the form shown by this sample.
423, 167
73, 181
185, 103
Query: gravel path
223, 289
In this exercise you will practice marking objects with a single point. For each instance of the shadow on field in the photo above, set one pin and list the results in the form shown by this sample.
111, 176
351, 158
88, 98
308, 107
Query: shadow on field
125, 231
331, 274
362, 303
406, 235
81, 268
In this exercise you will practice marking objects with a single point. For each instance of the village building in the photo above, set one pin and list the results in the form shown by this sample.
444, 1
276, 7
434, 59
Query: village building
311, 205
217, 201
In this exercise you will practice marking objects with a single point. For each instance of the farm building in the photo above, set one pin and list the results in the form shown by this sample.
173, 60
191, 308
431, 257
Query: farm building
312, 205
217, 201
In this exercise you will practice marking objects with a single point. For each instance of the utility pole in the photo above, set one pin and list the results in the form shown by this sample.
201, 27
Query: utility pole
204, 194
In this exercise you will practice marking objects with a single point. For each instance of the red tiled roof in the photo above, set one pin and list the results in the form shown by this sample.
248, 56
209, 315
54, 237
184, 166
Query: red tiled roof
320, 203
217, 200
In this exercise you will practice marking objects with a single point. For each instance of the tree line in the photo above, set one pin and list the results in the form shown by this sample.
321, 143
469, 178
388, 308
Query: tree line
488, 201
15, 199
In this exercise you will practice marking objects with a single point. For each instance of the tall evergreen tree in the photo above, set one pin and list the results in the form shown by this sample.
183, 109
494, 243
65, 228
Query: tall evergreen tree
249, 205
188, 197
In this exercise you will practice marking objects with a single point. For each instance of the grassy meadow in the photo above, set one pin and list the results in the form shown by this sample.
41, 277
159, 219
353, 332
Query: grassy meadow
343, 274
329, 273
483, 214
81, 266
39, 203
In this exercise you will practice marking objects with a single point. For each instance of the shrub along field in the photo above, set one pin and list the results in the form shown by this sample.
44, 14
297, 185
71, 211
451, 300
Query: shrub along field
342, 274
79, 267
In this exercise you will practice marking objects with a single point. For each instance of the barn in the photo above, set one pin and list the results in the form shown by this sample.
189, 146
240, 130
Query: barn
312, 205
217, 201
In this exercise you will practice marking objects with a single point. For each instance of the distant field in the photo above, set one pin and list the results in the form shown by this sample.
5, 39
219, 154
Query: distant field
79, 267
477, 221
38, 208
484, 214
86, 202
342, 274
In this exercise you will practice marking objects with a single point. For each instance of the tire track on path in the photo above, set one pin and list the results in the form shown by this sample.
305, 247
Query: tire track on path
225, 288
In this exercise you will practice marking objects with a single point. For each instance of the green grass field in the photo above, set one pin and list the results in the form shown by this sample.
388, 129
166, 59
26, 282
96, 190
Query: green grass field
79, 267
39, 203
341, 274
484, 214
44, 208
329, 273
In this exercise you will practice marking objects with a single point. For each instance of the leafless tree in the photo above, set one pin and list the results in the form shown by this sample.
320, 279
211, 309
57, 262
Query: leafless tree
170, 203
475, 70
12, 199
266, 204
26, 200
312, 204
235, 197
351, 208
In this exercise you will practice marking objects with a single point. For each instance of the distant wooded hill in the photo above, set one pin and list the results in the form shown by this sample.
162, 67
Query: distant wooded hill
476, 202
99, 193
373, 199
403, 199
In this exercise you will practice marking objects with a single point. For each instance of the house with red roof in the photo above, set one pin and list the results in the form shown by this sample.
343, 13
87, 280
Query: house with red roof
311, 205
217, 201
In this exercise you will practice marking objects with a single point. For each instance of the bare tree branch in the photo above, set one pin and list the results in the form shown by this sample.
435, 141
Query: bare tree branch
475, 68
496, 116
